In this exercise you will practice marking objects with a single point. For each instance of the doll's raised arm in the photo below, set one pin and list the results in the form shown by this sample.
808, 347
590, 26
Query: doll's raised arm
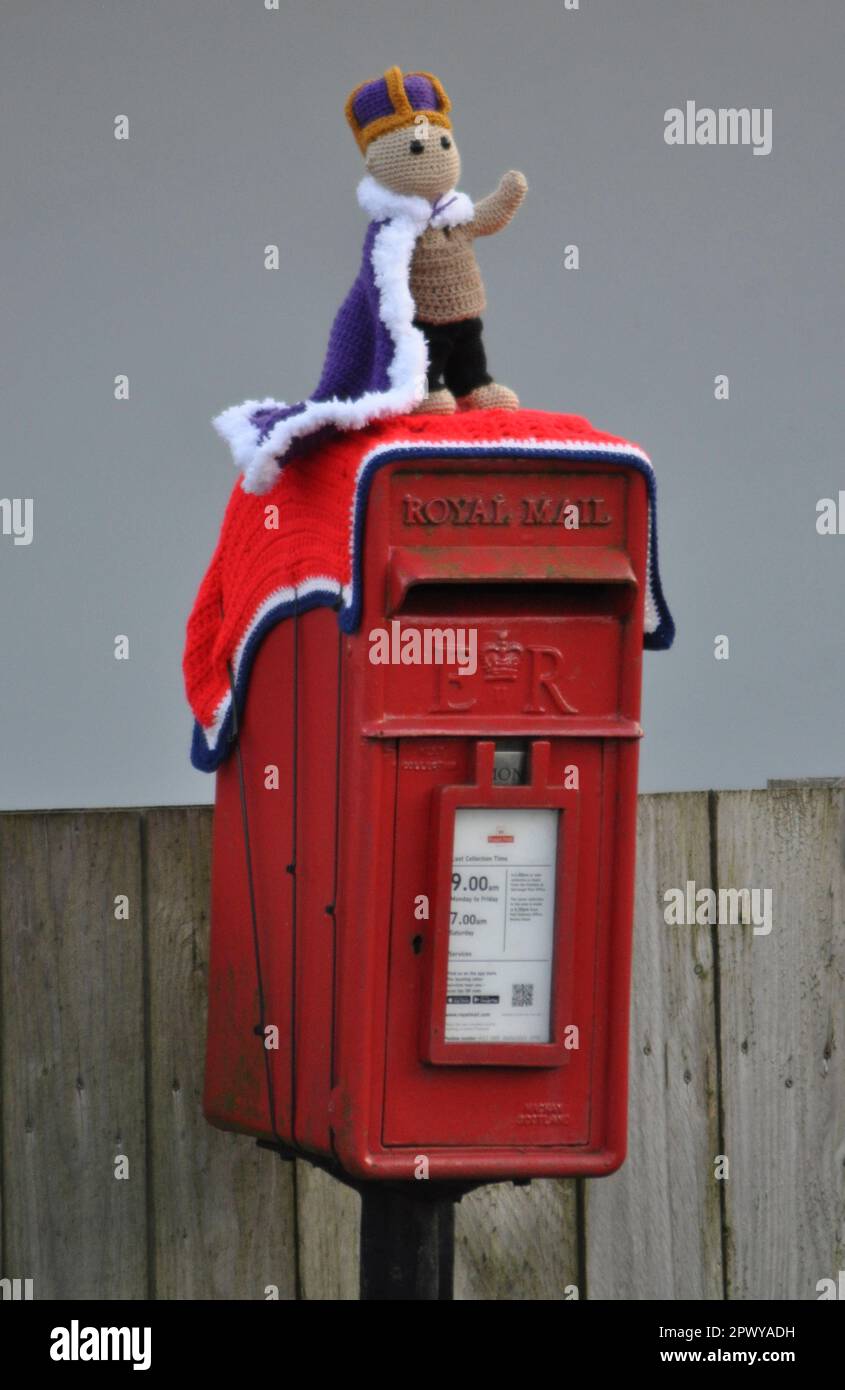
496, 210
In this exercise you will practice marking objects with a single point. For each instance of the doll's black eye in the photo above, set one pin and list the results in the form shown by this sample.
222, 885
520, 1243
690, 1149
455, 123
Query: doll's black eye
446, 142
417, 147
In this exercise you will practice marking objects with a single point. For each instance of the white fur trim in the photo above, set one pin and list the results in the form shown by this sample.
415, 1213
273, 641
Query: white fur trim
236, 428
380, 203
456, 210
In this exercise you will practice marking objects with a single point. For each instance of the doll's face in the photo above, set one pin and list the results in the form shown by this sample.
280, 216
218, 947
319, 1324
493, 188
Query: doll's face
419, 159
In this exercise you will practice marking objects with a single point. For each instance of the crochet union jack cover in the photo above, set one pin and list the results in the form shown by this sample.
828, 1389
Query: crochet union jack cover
313, 557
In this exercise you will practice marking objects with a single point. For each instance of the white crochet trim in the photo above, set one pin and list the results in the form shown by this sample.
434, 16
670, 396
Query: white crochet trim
393, 248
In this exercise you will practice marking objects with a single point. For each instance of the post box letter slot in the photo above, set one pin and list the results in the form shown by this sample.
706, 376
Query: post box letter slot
504, 862
464, 580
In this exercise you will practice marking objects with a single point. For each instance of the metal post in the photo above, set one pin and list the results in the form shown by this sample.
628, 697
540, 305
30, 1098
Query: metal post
407, 1242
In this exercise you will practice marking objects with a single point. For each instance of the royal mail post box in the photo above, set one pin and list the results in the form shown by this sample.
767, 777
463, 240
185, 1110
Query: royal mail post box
422, 948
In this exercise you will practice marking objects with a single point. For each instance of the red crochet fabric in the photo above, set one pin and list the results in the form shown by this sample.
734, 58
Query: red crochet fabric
242, 593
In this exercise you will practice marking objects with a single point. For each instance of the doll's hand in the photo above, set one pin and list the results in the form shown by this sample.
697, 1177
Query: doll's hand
514, 186
495, 212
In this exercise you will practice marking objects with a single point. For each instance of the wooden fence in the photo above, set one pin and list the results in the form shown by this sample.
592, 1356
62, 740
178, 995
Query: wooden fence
113, 1185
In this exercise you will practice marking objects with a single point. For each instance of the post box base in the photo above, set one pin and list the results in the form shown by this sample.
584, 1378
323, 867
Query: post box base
407, 1245
407, 1233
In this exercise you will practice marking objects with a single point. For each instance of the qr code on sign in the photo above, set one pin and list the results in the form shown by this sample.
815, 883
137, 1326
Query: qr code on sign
522, 996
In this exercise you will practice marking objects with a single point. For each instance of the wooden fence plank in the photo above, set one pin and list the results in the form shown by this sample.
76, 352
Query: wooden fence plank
73, 1055
223, 1209
517, 1243
782, 1038
654, 1228
329, 1216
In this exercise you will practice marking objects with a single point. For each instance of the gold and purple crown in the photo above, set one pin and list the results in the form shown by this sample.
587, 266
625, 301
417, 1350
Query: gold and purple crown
387, 103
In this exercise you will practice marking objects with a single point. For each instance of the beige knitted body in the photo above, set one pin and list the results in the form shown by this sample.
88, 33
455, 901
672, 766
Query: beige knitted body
445, 281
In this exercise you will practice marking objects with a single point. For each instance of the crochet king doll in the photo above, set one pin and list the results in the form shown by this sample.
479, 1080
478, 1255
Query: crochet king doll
403, 129
408, 336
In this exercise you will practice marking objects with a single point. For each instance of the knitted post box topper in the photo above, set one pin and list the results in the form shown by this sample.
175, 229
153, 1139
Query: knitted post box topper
408, 336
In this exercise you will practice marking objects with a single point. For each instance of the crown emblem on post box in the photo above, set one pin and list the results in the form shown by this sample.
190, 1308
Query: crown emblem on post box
500, 659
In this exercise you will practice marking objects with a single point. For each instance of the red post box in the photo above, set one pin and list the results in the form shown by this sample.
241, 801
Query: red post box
420, 958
